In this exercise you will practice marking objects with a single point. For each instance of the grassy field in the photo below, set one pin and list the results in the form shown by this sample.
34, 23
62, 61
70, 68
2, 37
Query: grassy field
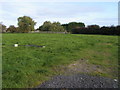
29, 66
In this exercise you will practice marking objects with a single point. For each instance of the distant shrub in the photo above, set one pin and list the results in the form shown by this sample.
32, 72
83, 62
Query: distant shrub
48, 26
94, 29
68, 27
12, 29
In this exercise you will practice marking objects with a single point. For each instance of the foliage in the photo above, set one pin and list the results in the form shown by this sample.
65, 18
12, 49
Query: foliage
26, 24
48, 26
65, 26
93, 26
12, 29
73, 25
56, 26
96, 30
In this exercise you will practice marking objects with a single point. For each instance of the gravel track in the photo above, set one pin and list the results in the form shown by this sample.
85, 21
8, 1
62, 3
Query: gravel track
79, 81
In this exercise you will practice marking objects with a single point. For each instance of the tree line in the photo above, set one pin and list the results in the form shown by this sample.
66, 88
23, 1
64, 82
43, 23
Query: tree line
48, 26
26, 24
95, 29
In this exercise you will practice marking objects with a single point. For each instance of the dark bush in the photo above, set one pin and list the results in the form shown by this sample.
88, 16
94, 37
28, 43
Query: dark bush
96, 30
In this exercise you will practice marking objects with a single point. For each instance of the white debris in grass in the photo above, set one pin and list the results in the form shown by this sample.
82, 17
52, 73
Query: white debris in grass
15, 45
115, 80
43, 46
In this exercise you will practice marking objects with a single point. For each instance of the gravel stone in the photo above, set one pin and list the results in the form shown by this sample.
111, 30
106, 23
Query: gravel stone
79, 81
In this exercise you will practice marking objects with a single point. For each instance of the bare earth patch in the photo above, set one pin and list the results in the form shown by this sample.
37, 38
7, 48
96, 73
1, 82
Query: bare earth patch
76, 75
83, 66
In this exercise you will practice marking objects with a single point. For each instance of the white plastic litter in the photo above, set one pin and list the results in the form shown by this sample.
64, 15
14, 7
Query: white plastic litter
15, 45
115, 80
43, 46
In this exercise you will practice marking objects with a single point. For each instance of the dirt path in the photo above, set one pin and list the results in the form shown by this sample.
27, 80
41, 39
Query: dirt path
79, 75
83, 66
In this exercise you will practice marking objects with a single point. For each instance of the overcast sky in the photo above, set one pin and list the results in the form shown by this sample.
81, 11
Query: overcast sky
101, 13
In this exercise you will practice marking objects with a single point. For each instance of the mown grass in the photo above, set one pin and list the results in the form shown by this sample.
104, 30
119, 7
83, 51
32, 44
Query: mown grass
25, 67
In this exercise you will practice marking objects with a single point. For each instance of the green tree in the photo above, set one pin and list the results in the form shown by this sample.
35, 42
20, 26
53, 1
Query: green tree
93, 26
73, 25
26, 24
56, 27
65, 26
48, 26
12, 29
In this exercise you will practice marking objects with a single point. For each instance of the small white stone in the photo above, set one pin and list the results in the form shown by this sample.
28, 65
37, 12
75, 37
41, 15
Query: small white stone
43, 46
115, 80
15, 45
